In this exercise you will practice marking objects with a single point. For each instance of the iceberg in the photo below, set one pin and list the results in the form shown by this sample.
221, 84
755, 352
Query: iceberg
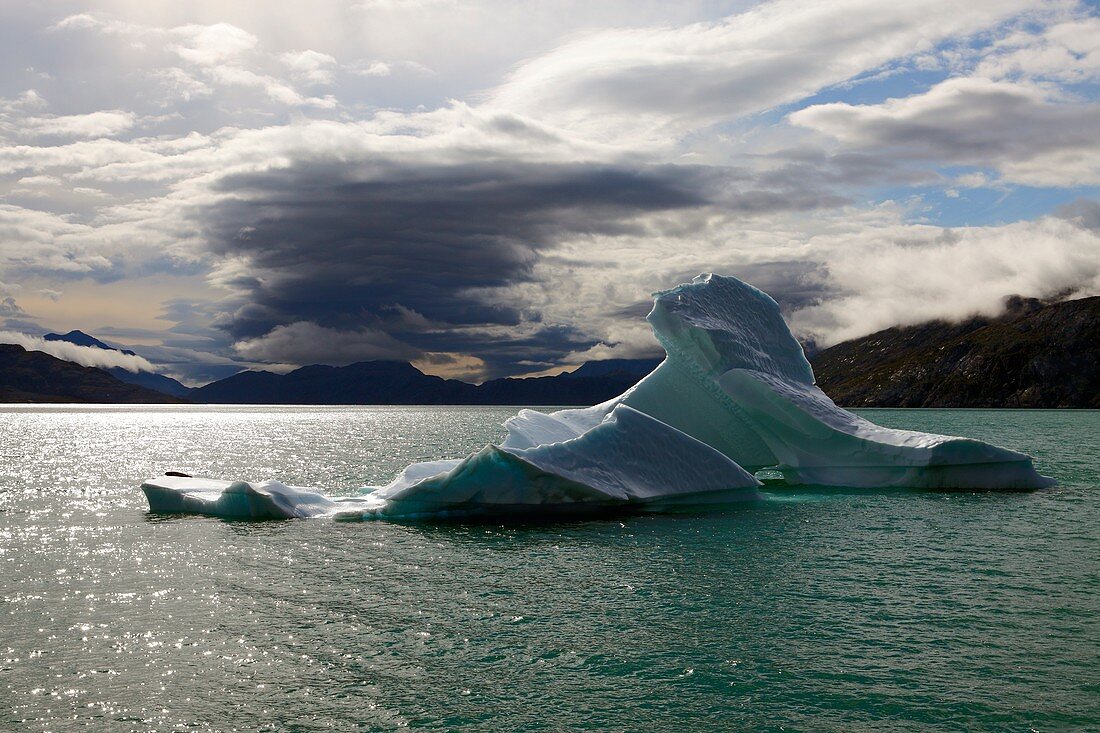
736, 378
734, 395
627, 460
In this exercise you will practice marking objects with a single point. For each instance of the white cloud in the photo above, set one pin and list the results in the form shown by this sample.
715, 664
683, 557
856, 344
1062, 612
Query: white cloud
29, 99
1030, 134
1065, 52
83, 355
373, 68
272, 87
33, 240
906, 274
105, 123
80, 20
209, 45
1006, 108
973, 180
181, 85
313, 66
217, 54
93, 159
653, 82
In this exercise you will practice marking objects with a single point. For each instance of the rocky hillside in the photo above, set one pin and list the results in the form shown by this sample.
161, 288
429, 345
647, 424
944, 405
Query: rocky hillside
1035, 355
32, 376
149, 380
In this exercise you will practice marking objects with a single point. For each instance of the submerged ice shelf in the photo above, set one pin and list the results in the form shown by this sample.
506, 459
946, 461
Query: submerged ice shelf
735, 394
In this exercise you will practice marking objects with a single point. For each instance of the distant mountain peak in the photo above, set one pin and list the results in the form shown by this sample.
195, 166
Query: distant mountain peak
80, 338
365, 368
398, 382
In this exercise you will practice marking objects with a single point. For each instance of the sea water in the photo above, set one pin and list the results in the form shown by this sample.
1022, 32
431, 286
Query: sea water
811, 610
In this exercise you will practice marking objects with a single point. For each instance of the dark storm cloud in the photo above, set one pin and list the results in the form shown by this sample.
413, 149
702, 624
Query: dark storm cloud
416, 251
506, 357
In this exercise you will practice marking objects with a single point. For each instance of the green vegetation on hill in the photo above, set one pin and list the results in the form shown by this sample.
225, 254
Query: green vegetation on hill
1036, 355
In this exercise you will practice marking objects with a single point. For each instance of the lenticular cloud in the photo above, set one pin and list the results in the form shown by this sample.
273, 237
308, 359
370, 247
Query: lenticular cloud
735, 394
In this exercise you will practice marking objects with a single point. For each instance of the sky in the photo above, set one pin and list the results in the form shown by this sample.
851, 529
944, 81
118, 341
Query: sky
490, 189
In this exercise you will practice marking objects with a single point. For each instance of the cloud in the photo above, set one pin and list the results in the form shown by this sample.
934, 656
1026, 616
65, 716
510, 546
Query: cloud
83, 355
275, 89
12, 315
37, 241
191, 351
652, 82
80, 20
366, 244
217, 54
1066, 52
106, 123
181, 85
601, 152
373, 68
313, 66
1083, 212
84, 154
836, 274
353, 225
210, 45
1024, 131
27, 100
908, 274
10, 309
99, 22
307, 343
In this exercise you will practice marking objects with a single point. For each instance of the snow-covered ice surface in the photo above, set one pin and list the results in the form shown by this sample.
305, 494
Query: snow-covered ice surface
735, 394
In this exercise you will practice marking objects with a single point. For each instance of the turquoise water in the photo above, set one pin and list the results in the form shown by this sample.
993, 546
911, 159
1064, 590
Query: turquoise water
814, 610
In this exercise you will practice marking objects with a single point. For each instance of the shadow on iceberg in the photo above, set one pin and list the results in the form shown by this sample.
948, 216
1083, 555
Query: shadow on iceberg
734, 395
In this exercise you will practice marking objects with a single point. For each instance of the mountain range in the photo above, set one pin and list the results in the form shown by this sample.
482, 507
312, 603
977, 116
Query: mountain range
1036, 354
400, 383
